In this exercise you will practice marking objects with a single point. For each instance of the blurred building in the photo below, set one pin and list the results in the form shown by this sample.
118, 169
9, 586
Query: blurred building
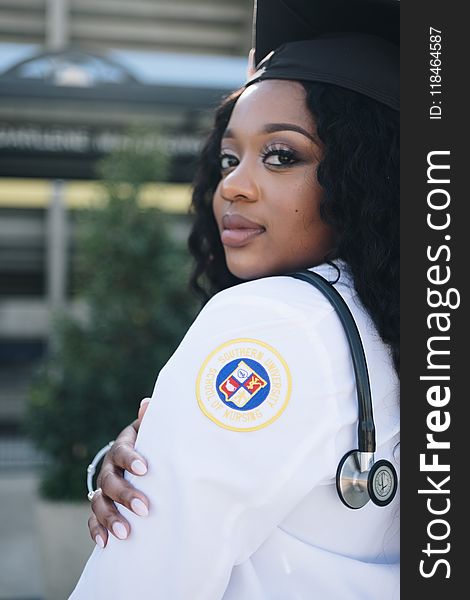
74, 76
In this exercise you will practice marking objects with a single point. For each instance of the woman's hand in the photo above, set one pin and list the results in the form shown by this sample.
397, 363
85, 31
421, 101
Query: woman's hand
114, 488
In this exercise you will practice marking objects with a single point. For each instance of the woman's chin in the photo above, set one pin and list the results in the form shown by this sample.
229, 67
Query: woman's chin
247, 272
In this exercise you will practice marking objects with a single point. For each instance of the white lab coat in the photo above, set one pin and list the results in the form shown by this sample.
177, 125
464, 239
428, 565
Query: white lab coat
243, 503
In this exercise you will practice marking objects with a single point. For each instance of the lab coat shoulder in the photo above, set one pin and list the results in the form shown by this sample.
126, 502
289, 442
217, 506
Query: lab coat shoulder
279, 331
282, 332
281, 309
240, 429
248, 402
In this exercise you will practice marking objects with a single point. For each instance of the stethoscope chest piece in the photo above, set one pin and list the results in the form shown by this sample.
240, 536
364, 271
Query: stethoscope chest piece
382, 483
359, 479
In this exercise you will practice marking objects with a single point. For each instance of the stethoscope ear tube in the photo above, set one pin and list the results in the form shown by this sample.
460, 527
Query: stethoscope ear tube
366, 427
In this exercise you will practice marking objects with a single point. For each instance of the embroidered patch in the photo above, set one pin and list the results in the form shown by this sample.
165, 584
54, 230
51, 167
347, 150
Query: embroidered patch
243, 385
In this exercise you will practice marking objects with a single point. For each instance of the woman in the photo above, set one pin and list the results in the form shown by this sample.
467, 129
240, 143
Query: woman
255, 409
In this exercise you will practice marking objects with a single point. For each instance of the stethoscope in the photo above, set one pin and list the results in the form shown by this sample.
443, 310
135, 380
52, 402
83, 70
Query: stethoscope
358, 477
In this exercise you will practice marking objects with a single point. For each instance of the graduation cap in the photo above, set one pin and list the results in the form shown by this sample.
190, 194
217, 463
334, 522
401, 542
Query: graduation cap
349, 43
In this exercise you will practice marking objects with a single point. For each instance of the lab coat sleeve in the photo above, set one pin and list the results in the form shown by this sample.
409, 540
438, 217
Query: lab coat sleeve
218, 488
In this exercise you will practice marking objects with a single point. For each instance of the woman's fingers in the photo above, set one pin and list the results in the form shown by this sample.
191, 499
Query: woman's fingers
98, 533
106, 516
123, 455
143, 407
116, 489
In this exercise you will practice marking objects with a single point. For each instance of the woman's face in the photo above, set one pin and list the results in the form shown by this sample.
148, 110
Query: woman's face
267, 202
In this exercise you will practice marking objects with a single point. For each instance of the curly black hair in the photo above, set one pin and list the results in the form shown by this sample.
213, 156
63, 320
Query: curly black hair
359, 174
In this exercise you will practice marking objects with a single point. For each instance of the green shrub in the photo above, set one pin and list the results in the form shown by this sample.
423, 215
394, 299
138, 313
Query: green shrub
133, 276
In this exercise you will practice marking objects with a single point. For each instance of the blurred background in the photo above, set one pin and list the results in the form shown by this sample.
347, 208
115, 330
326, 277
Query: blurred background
103, 108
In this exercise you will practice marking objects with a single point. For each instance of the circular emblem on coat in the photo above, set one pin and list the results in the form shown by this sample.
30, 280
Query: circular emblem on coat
243, 385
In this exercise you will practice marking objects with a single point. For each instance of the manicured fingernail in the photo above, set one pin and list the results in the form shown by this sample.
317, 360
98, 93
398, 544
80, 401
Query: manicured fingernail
138, 467
99, 541
139, 507
144, 401
119, 531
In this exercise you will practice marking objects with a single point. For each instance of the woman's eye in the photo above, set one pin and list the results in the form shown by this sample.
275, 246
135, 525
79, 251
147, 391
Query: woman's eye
280, 158
227, 161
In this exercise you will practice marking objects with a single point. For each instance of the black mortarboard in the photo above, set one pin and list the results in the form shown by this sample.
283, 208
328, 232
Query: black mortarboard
349, 43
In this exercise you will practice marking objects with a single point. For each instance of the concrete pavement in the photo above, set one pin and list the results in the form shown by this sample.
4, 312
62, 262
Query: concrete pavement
20, 570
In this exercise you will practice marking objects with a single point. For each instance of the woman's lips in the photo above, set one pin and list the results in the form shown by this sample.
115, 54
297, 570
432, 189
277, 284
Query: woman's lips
238, 231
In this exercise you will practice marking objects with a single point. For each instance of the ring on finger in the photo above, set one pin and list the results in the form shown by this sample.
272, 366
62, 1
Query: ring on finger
92, 493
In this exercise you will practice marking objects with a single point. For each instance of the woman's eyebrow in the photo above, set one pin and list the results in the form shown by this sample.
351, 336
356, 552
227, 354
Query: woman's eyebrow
274, 127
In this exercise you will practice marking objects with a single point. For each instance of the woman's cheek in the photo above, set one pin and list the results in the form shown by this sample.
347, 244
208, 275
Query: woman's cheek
217, 206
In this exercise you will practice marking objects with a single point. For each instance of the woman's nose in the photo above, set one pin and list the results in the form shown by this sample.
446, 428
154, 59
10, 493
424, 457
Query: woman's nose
239, 184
